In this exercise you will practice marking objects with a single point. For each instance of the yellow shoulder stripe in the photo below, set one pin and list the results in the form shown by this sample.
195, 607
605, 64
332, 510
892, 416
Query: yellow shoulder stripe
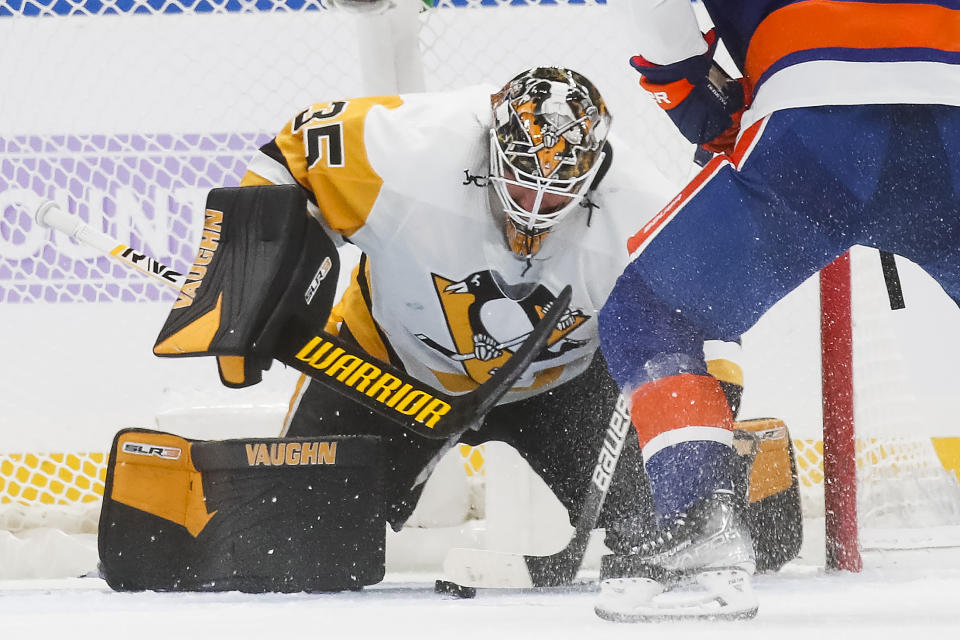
325, 150
251, 179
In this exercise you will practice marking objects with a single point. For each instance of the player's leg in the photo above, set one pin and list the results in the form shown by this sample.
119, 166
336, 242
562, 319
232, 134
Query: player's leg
815, 182
764, 476
879, 175
739, 241
729, 251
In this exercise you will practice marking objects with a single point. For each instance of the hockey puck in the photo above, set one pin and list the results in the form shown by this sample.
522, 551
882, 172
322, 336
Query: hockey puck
453, 589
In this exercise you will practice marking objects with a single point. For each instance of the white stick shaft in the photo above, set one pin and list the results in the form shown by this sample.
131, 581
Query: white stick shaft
49, 214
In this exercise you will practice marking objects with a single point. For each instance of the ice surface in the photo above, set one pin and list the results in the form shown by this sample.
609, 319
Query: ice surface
901, 594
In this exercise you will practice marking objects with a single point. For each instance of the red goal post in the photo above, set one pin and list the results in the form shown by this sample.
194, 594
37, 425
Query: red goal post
890, 452
839, 442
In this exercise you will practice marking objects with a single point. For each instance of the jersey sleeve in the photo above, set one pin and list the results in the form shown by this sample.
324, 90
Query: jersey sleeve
324, 149
663, 31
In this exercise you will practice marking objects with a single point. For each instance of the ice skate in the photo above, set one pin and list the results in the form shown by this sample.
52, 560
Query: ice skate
699, 567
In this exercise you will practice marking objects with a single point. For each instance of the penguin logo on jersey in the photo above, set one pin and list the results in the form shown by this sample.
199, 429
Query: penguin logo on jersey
488, 320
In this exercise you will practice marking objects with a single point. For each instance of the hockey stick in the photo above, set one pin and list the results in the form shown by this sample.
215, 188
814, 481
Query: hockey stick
311, 351
498, 569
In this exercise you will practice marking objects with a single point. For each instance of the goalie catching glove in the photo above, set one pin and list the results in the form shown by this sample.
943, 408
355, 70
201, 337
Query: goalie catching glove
703, 101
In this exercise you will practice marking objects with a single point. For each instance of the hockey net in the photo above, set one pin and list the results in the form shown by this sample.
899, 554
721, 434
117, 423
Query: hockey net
127, 113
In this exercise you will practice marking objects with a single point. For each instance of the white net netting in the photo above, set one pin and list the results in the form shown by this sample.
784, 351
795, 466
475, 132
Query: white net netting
59, 491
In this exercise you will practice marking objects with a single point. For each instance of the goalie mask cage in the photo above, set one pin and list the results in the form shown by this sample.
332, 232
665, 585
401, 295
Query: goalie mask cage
128, 111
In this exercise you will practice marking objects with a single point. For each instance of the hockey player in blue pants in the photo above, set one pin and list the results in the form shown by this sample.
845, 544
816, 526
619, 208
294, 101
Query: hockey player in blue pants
843, 130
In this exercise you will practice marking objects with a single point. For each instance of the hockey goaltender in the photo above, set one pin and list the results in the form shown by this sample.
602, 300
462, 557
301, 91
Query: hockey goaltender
492, 229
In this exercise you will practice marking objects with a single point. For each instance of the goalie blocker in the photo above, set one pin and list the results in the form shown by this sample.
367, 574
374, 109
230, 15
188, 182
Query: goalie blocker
253, 515
264, 271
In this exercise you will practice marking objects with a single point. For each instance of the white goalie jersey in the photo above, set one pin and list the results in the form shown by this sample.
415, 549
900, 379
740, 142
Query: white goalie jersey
438, 292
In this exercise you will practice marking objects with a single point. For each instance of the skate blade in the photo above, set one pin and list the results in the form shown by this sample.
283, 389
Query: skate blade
716, 594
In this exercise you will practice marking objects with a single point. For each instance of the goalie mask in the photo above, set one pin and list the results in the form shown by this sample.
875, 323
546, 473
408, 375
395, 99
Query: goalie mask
549, 127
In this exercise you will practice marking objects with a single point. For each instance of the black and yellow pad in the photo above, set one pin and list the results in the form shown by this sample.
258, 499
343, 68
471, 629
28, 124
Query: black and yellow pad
261, 261
769, 484
254, 515
723, 363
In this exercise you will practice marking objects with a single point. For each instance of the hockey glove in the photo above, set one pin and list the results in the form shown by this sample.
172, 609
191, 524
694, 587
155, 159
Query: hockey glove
703, 102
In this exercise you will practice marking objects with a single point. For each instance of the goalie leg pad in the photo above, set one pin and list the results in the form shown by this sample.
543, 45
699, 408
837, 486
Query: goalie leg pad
771, 488
253, 515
